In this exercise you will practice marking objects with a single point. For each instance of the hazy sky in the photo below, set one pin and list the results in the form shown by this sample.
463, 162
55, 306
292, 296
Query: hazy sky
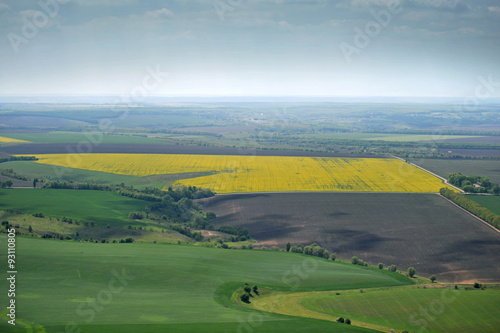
244, 47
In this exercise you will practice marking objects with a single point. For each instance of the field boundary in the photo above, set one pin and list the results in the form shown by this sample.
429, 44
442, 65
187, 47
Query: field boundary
432, 173
465, 210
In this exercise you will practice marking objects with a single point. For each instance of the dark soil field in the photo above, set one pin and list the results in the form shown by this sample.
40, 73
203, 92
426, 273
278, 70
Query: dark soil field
420, 230
64, 148
443, 167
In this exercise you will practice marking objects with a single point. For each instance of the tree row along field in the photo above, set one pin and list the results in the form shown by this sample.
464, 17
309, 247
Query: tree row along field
237, 174
421, 230
168, 288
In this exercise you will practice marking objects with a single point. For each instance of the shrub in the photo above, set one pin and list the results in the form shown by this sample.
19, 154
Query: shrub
245, 297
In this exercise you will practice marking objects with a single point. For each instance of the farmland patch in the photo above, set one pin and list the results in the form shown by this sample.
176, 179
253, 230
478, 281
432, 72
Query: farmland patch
420, 230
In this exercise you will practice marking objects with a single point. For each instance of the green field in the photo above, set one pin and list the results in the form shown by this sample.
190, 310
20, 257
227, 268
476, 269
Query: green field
385, 137
168, 288
443, 167
74, 137
421, 310
489, 201
100, 207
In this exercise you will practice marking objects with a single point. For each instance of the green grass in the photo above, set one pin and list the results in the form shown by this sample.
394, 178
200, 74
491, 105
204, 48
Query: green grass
386, 137
492, 202
100, 207
171, 288
75, 137
422, 310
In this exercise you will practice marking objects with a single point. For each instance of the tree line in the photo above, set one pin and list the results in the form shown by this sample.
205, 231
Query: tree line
18, 158
472, 207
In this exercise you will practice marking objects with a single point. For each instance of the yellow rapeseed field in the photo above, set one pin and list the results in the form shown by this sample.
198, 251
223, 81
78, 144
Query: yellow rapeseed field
4, 139
233, 174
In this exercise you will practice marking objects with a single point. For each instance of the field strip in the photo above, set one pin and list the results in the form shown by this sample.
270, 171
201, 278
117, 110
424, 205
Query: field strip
290, 305
465, 210
239, 174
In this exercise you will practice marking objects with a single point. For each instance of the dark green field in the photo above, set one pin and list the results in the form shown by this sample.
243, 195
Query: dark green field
166, 288
77, 137
489, 201
420, 230
443, 167
100, 207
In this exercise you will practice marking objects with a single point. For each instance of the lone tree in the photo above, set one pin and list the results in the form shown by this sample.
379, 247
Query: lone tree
7, 184
340, 320
288, 246
354, 261
333, 256
34, 182
433, 278
411, 272
347, 321
245, 298
496, 190
255, 289
380, 265
393, 268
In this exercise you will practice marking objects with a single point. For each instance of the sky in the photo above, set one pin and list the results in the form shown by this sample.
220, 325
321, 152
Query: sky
250, 48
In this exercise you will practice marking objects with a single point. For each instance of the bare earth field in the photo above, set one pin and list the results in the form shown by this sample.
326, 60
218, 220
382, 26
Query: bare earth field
420, 230
443, 167
126, 148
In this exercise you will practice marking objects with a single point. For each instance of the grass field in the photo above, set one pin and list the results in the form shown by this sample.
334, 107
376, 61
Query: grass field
489, 201
100, 207
73, 137
443, 167
235, 174
420, 230
166, 288
419, 310
388, 137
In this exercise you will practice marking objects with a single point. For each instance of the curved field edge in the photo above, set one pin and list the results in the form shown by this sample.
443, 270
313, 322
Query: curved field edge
440, 309
169, 286
240, 174
60, 173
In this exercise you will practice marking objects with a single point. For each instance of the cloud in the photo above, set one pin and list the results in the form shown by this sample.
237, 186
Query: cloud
159, 14
3, 6
494, 9
454, 5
